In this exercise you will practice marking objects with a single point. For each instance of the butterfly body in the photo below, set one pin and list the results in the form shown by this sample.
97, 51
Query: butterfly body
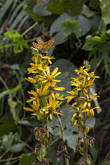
42, 46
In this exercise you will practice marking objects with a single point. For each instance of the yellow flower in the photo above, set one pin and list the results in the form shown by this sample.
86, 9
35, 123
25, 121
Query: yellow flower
51, 107
55, 88
31, 80
28, 109
81, 106
34, 107
35, 68
49, 77
87, 99
82, 70
73, 94
76, 116
48, 58
37, 95
36, 65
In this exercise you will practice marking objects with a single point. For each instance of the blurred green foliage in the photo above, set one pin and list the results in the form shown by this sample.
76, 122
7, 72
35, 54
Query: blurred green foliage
17, 39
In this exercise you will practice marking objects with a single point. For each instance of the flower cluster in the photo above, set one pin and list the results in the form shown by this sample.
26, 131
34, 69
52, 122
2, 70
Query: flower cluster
80, 97
44, 101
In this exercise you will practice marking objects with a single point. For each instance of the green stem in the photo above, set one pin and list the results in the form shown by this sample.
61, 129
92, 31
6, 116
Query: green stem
5, 85
62, 135
85, 148
3, 154
31, 27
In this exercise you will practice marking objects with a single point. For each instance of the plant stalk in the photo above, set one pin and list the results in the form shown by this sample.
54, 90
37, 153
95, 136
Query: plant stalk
62, 135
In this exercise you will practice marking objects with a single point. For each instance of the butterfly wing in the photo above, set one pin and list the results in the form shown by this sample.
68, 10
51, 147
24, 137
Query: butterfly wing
48, 44
40, 41
43, 46
39, 44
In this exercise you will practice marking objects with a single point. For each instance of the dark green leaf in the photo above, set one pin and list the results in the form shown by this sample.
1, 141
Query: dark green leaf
94, 4
19, 17
84, 23
5, 8
72, 139
56, 26
27, 159
107, 63
67, 70
59, 6
41, 10
6, 125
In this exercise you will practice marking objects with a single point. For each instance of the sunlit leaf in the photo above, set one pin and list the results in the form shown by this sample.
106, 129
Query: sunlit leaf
71, 27
105, 9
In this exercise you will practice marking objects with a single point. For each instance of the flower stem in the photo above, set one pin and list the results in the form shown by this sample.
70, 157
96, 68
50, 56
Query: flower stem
62, 135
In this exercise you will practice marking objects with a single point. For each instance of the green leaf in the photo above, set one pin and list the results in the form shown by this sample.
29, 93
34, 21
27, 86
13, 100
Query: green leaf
72, 139
94, 4
12, 143
52, 155
70, 131
94, 153
18, 19
71, 27
7, 141
16, 10
18, 40
40, 9
92, 43
27, 159
17, 147
12, 104
87, 12
5, 8
6, 125
59, 6
30, 121
107, 63
90, 122
84, 24
56, 26
29, 9
67, 70
105, 9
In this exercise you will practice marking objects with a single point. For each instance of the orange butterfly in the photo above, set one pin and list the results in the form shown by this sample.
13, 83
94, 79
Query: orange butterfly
42, 46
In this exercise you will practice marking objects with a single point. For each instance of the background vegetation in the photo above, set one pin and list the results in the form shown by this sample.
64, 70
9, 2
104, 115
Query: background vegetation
82, 32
